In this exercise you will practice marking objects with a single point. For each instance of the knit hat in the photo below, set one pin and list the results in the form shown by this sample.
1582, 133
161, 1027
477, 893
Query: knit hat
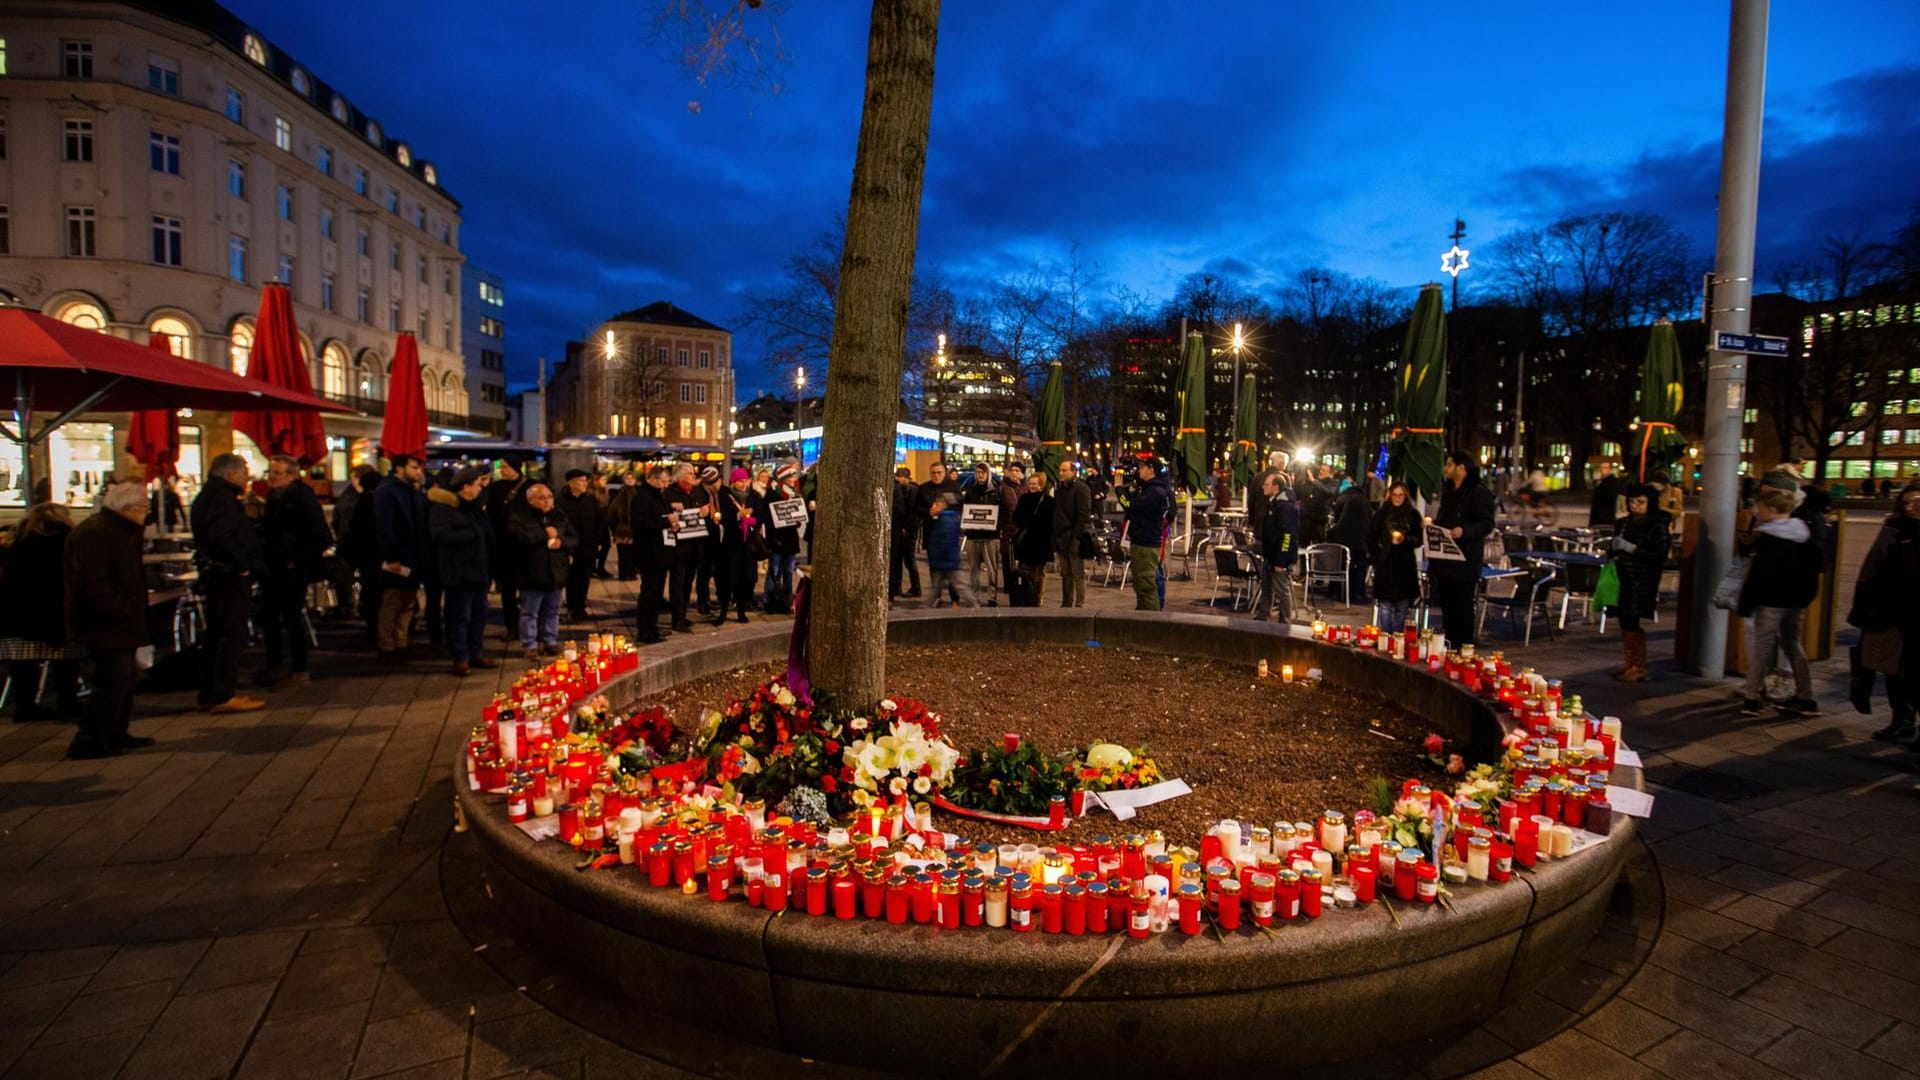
738, 475
467, 476
789, 470
709, 474
576, 474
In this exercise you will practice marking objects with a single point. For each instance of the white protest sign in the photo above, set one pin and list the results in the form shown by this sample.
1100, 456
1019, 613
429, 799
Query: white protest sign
980, 516
788, 513
1441, 546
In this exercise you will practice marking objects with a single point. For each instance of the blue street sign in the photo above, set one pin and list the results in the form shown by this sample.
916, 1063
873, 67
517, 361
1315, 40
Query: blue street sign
1757, 344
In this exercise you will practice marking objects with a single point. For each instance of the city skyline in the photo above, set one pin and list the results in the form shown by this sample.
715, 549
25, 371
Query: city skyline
1161, 143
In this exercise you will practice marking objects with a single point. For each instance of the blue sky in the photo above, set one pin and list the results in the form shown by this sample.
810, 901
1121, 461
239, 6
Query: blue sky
1162, 139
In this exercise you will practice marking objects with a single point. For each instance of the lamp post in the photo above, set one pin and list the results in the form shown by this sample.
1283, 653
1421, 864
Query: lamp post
1455, 260
940, 413
800, 413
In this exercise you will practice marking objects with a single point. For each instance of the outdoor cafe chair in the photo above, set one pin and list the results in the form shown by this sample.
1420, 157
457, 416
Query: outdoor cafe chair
1581, 579
1515, 593
1237, 568
1326, 563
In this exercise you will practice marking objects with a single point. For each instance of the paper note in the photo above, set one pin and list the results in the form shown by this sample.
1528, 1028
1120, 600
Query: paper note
1125, 804
541, 828
1624, 756
1630, 802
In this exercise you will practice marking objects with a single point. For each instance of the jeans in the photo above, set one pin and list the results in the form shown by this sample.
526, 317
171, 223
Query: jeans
228, 596
1392, 615
949, 582
539, 618
984, 553
284, 611
1073, 576
1276, 592
780, 576
1769, 630
467, 623
399, 599
1144, 563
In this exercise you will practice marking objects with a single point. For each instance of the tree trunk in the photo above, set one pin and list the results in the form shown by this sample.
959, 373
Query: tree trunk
849, 642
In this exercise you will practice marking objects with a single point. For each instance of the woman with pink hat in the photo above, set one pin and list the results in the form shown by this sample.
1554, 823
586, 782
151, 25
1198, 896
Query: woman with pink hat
743, 543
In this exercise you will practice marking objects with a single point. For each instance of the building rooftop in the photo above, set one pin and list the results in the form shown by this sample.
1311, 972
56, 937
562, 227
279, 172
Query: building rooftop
663, 313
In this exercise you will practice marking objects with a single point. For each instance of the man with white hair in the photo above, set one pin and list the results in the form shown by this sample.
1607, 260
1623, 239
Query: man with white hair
107, 612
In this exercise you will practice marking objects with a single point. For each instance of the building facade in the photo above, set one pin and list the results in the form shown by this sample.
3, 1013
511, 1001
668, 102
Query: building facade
162, 161
658, 371
972, 392
483, 342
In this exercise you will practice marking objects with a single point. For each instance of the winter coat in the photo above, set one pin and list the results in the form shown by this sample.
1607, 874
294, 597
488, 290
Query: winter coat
224, 540
785, 539
1147, 512
1469, 508
1033, 528
1280, 534
1352, 520
946, 495
504, 499
943, 540
462, 537
106, 585
33, 586
1606, 502
987, 494
1396, 567
1783, 568
620, 512
648, 514
737, 519
542, 569
908, 512
1887, 594
400, 525
1640, 568
1072, 514
1010, 496
358, 546
586, 513
693, 498
297, 536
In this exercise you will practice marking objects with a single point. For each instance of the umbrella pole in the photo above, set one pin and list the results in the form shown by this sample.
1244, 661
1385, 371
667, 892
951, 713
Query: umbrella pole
22, 423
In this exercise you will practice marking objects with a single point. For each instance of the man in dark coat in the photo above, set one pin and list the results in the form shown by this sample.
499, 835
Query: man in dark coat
1279, 532
1352, 517
544, 542
297, 539
227, 548
907, 515
400, 537
583, 509
1013, 484
1147, 514
1783, 577
1072, 523
620, 526
1606, 497
693, 512
363, 554
505, 496
1466, 515
653, 547
462, 538
106, 602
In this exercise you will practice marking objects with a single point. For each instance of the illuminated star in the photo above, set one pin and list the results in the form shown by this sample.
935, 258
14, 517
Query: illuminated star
1454, 261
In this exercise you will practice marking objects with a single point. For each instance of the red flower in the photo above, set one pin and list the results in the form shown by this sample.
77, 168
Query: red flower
833, 746
1434, 744
927, 769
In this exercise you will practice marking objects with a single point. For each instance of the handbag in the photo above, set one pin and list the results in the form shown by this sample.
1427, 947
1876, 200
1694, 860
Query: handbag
1727, 596
1606, 590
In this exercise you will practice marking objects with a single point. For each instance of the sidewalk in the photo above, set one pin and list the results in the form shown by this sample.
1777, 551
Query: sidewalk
279, 893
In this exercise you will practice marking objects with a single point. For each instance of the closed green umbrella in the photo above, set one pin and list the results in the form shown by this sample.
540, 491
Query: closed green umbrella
1420, 398
1190, 413
1246, 436
1053, 424
1659, 444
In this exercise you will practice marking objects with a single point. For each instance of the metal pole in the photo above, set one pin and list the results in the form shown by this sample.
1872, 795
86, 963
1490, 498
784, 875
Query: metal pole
1519, 414
23, 426
1732, 296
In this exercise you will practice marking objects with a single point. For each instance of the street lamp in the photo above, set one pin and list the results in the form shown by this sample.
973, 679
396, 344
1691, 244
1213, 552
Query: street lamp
800, 413
940, 414
1239, 346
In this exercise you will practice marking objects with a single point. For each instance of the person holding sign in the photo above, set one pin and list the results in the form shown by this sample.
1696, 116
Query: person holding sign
785, 514
742, 544
690, 508
654, 547
1465, 517
980, 525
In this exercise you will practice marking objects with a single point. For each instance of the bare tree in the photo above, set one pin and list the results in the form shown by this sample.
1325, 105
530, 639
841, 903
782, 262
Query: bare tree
637, 384
796, 317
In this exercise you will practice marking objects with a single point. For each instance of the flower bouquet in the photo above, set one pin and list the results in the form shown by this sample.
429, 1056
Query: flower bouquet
773, 743
896, 754
1015, 780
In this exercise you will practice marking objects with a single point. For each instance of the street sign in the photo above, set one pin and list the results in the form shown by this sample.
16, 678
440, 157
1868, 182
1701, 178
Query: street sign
1755, 344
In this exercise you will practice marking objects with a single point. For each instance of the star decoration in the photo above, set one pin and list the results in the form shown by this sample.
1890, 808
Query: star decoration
1454, 261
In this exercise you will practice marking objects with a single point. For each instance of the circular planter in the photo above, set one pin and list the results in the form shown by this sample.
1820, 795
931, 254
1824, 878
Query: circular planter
926, 1001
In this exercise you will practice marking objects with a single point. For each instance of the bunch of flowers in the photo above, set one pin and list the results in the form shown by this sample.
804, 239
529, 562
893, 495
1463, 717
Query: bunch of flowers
772, 743
1435, 746
651, 729
1411, 822
898, 752
1484, 787
1021, 781
1102, 769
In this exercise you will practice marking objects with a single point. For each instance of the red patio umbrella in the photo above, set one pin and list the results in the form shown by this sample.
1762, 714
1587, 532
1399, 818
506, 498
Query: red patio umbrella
153, 435
71, 370
405, 428
276, 361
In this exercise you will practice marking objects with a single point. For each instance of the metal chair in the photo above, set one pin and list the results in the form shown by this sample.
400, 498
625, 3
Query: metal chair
1581, 579
1326, 563
1228, 566
1512, 593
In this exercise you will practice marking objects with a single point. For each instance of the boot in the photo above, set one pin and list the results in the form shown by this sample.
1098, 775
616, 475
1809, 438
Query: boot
1635, 643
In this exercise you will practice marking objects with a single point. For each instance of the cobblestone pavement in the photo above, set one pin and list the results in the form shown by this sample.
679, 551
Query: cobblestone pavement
279, 893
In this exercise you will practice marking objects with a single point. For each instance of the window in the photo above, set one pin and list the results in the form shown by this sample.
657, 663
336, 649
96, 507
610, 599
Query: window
323, 160
393, 200
660, 354
237, 262
491, 327
236, 105
6, 231
77, 59
333, 371
79, 141
178, 334
286, 270
706, 358
1746, 445
1913, 406
163, 153
420, 330
1912, 437
1893, 407
423, 271
686, 392
403, 155
360, 242
163, 75
299, 80
166, 241
255, 49
1889, 438
236, 179
1858, 438
240, 347
494, 295
3, 56
393, 315
700, 427
283, 202
393, 256
681, 358
700, 394
359, 181
1750, 416
326, 290
339, 108
80, 221
420, 218
446, 280
326, 224
446, 332
686, 427
361, 307
373, 133
283, 133
446, 230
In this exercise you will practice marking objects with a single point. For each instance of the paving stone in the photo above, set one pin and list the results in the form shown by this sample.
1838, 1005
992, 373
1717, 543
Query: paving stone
324, 980
1572, 1055
1627, 1027
1832, 974
1739, 1027
1843, 1021
1808, 1056
1703, 926
1773, 886
1705, 965
306, 1046
1526, 1021
101, 1057
109, 1010
1797, 923
42, 967
144, 963
417, 1038
1688, 1055
242, 959
1872, 950
1899, 1045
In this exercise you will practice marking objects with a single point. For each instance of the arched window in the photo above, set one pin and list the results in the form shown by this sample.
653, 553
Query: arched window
299, 79
433, 176
430, 389
84, 314
333, 370
453, 396
240, 346
339, 108
369, 378
373, 133
405, 155
255, 49
178, 334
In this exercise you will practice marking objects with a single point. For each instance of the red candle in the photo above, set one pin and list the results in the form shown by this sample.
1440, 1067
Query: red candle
1011, 741
873, 895
1133, 857
719, 877
660, 865
1074, 906
570, 824
1406, 877
949, 906
775, 879
1020, 905
1500, 865
846, 899
1429, 884
1227, 904
922, 898
756, 891
1286, 894
1310, 894
1139, 916
1365, 878
816, 886
682, 862
1262, 894
899, 899
1052, 917
1190, 905
973, 900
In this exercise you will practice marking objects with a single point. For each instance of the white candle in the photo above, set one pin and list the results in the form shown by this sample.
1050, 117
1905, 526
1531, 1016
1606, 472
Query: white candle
510, 741
1229, 834
837, 837
1610, 726
1323, 862
1562, 841
1545, 825
626, 847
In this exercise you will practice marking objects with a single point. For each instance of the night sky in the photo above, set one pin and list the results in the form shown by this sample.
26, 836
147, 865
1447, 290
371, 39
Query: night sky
1251, 139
